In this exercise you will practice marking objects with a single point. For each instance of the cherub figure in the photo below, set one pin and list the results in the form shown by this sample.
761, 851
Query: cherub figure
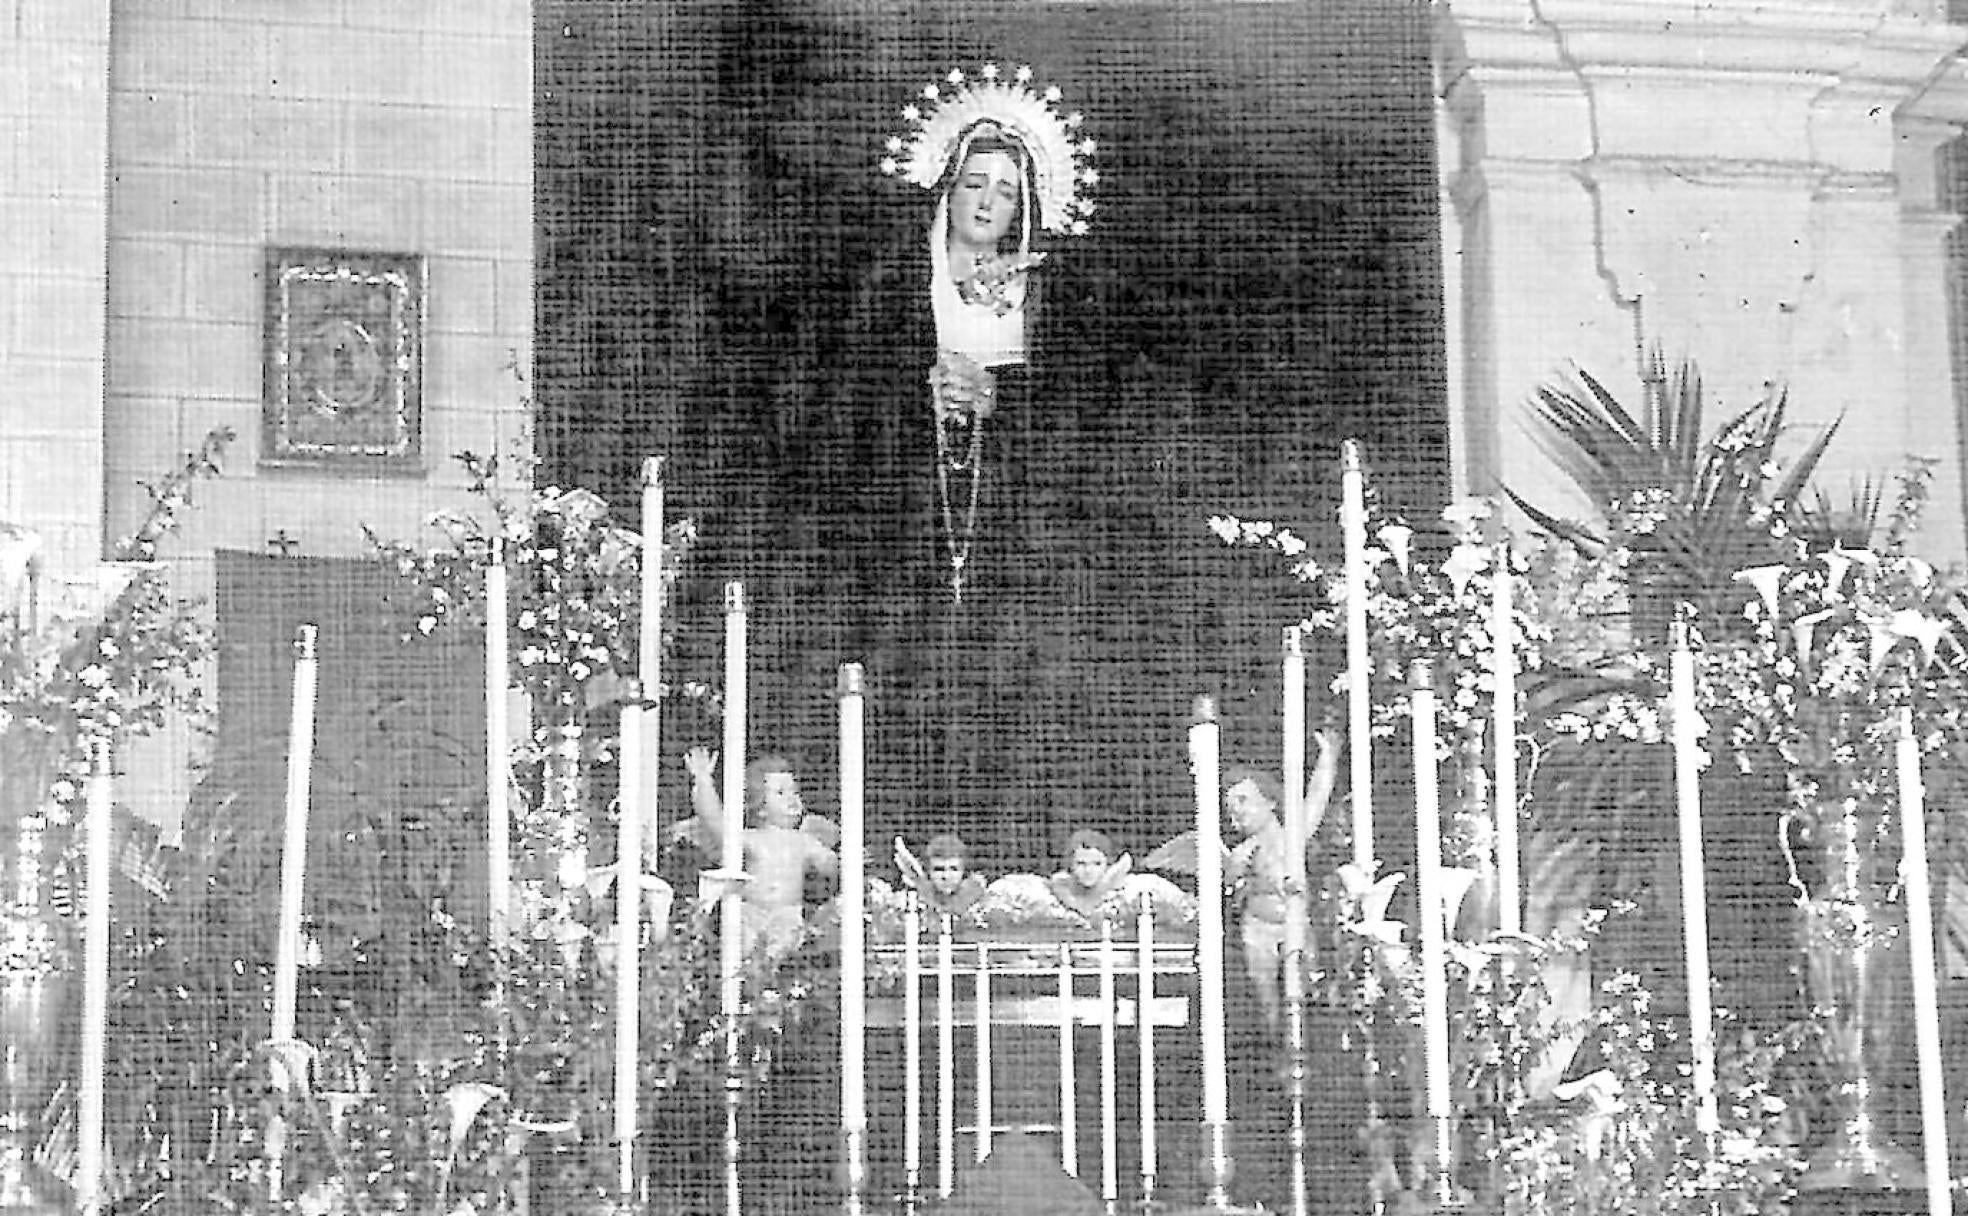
1258, 870
782, 847
947, 885
1093, 874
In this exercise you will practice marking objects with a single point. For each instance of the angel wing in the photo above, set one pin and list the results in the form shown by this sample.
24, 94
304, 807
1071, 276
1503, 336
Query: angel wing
1116, 874
911, 869
822, 829
1178, 855
1373, 893
701, 832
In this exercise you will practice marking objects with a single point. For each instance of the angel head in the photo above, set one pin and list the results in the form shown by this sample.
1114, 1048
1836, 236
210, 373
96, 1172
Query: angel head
1089, 855
772, 793
1251, 798
948, 859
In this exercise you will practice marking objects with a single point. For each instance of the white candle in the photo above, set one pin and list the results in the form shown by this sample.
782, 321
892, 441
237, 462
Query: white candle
853, 908
1110, 1179
1918, 883
1144, 1029
649, 643
628, 945
1204, 743
293, 853
1694, 884
980, 995
731, 935
498, 742
1069, 1101
946, 1059
1428, 864
1296, 927
912, 1043
95, 985
1503, 642
1359, 704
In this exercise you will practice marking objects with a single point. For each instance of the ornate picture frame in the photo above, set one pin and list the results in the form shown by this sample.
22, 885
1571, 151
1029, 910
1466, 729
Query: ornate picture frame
344, 360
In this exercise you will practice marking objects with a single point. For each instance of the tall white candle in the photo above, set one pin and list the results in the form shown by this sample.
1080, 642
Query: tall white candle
1503, 643
89, 1187
1428, 864
946, 1059
912, 1044
628, 946
1069, 1099
649, 643
1918, 884
293, 852
1694, 882
980, 1012
731, 935
853, 907
1297, 930
1110, 1178
1359, 704
1204, 752
498, 744
1144, 1028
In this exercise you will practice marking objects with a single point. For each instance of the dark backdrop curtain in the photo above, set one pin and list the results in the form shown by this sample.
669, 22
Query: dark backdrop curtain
1263, 281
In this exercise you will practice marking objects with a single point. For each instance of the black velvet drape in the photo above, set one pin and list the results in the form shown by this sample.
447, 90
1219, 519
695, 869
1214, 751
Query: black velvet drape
716, 282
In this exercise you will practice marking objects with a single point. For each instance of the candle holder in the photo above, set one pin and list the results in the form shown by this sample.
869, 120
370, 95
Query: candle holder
855, 1170
734, 1094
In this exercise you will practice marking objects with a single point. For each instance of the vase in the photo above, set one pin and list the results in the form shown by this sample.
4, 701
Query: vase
31, 1015
32, 997
1853, 967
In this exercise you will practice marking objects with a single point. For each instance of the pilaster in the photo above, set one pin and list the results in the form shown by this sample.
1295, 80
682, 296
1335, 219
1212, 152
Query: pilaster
1722, 181
54, 102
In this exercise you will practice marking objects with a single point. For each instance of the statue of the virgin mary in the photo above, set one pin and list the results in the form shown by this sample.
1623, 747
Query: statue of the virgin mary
1005, 166
948, 476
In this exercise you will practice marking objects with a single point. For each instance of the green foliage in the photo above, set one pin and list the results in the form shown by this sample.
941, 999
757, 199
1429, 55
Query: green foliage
1682, 510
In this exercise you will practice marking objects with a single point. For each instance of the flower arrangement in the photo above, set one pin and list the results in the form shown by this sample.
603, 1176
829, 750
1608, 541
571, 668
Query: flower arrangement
105, 657
574, 618
441, 1118
442, 1073
1621, 1138
573, 570
1680, 511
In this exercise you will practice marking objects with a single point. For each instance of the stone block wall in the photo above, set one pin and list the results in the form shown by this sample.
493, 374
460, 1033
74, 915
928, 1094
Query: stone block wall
235, 125
53, 137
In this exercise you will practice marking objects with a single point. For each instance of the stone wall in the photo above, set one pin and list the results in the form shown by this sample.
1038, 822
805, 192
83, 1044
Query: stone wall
363, 124
235, 125
53, 64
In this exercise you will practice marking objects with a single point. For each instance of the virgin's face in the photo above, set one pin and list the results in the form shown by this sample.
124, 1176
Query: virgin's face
984, 200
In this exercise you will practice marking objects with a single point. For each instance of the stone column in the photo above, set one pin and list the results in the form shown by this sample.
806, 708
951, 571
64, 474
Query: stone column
1718, 181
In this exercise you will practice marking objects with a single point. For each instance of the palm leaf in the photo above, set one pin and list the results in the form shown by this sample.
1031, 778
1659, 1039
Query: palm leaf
1713, 494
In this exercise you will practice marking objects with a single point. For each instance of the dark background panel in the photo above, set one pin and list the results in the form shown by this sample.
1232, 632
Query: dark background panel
1263, 282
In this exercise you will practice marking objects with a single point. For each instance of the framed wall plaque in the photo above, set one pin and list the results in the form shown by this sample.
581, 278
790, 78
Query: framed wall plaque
344, 360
